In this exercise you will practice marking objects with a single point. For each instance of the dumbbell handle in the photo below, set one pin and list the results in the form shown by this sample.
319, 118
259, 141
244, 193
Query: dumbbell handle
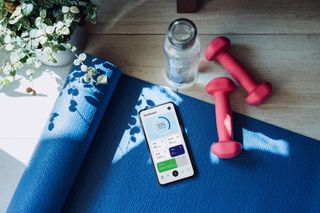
235, 68
223, 116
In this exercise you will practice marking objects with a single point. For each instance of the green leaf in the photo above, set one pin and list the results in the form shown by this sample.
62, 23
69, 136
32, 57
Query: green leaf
92, 71
25, 23
43, 39
82, 56
62, 47
102, 79
24, 34
76, 62
37, 64
65, 9
65, 31
30, 72
84, 68
49, 29
15, 19
16, 13
87, 78
48, 50
14, 57
74, 9
7, 69
54, 60
8, 80
68, 45
19, 25
13, 73
21, 42
27, 9
68, 18
9, 47
7, 39
43, 13
38, 22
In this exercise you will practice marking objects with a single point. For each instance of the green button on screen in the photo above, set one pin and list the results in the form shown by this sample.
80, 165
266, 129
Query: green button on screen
167, 165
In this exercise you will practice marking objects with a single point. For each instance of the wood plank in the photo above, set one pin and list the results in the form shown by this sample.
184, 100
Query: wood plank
187, 6
214, 17
290, 62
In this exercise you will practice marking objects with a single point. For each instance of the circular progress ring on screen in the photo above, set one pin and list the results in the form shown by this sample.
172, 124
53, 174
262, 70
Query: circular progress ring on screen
161, 125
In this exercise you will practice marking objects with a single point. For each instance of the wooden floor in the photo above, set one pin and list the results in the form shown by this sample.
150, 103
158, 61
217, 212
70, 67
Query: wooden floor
278, 41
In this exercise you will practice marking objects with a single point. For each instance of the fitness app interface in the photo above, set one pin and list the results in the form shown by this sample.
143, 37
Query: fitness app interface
166, 143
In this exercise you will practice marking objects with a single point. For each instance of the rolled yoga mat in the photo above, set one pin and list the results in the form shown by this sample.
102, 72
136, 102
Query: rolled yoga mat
278, 171
65, 140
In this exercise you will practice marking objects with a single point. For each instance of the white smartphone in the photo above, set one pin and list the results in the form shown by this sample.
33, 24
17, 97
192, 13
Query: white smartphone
166, 143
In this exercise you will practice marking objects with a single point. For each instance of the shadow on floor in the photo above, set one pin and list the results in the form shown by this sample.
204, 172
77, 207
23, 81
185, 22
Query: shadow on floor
10, 172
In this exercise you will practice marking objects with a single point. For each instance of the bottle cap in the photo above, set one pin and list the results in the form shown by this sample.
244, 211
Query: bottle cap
182, 33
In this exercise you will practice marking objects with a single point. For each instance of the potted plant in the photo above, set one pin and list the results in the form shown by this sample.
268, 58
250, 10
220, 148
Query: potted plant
34, 32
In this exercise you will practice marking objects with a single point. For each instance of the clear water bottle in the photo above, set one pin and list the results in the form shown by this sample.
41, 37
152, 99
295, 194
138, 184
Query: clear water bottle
182, 48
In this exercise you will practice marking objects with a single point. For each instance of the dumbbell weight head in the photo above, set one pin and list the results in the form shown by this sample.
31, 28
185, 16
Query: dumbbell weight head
219, 44
226, 147
218, 50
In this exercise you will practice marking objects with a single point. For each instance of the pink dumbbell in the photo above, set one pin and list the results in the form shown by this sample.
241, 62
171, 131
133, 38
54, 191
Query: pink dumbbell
218, 50
226, 147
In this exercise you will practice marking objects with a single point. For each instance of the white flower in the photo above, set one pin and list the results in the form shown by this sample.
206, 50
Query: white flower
65, 9
74, 9
82, 56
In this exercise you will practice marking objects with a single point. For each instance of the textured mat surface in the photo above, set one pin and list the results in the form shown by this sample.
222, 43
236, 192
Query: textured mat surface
64, 142
278, 171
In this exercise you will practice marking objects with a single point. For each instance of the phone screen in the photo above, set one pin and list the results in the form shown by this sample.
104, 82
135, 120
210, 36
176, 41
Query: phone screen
167, 146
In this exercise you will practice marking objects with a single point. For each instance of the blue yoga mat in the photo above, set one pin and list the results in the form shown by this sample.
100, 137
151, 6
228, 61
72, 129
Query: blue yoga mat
92, 157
